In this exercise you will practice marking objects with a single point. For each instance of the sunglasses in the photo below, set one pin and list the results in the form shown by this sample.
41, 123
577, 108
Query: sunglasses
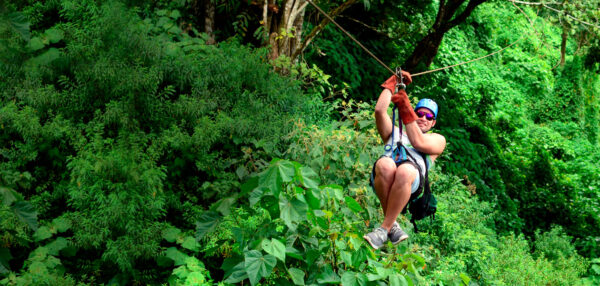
428, 116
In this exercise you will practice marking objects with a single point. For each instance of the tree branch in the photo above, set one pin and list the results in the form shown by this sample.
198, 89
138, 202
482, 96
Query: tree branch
316, 30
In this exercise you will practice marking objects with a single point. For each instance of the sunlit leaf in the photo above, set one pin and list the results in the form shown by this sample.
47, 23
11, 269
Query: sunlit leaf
57, 245
190, 243
171, 234
35, 44
61, 224
398, 280
274, 247
54, 35
177, 256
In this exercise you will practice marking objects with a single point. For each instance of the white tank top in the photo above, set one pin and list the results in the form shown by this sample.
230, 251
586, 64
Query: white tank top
411, 151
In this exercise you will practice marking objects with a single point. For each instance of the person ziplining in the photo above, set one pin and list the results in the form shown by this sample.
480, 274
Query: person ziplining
400, 174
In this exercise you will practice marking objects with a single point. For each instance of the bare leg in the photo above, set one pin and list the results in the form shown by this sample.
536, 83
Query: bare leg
385, 170
399, 193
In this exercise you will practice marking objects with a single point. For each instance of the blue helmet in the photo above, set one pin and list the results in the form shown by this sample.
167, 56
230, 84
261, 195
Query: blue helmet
429, 104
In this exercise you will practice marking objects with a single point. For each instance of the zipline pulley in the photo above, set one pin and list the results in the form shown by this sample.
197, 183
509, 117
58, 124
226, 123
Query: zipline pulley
399, 84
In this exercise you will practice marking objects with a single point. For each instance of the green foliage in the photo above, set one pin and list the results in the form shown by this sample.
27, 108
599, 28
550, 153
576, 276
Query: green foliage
124, 140
462, 239
43, 266
125, 126
520, 268
305, 232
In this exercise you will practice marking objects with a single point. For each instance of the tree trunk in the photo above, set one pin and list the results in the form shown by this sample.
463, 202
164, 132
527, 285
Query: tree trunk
426, 49
285, 27
209, 21
563, 45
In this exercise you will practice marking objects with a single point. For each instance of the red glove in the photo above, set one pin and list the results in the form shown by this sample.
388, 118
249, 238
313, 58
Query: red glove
390, 83
405, 109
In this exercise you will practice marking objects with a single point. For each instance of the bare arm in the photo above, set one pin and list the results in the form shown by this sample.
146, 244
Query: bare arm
382, 118
430, 143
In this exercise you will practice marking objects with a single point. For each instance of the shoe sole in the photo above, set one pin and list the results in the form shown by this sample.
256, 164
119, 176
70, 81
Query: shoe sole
371, 243
402, 238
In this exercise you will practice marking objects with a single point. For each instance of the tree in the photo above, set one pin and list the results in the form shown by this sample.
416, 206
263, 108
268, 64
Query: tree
449, 15
283, 25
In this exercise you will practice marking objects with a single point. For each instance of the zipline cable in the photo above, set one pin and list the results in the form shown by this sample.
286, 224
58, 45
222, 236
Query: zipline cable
351, 37
387, 67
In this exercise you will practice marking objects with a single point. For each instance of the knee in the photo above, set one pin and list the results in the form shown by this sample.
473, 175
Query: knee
405, 174
385, 168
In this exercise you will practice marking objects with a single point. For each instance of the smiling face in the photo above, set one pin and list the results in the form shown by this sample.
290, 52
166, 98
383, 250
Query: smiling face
423, 122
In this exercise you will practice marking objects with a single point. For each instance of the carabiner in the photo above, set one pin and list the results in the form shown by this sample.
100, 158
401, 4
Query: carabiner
399, 85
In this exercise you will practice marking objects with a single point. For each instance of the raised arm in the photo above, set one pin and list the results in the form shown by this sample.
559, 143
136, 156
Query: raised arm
428, 143
382, 118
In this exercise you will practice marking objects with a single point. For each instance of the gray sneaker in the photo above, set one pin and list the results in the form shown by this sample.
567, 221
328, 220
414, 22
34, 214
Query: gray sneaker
377, 238
396, 234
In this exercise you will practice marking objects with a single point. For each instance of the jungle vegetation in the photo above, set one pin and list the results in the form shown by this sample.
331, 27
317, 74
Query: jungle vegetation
215, 142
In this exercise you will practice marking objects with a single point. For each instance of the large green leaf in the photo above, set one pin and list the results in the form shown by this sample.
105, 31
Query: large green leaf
294, 253
190, 243
297, 275
334, 191
274, 247
353, 204
398, 280
57, 245
171, 234
359, 257
207, 223
26, 213
46, 57
237, 273
177, 256
327, 276
350, 278
292, 211
258, 266
309, 178
7, 196
280, 171
54, 35
35, 44
313, 198
61, 224
19, 23
224, 205
256, 195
